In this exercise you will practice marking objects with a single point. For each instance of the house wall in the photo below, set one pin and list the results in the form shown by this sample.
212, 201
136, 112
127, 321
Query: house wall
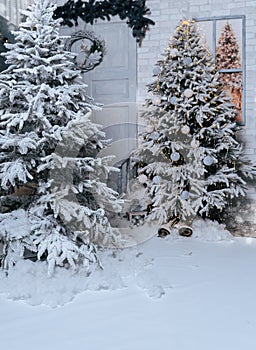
10, 9
167, 14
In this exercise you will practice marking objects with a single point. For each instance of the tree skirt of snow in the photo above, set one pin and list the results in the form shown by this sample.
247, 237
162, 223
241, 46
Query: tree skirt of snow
28, 281
135, 264
170, 293
15, 224
207, 230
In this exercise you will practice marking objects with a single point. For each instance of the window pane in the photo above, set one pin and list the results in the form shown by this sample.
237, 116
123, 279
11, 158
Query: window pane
224, 38
229, 43
232, 83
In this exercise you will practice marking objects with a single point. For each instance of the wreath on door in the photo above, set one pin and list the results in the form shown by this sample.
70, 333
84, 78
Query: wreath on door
92, 49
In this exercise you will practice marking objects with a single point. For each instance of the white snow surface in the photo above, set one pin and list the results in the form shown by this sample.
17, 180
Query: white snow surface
178, 293
16, 224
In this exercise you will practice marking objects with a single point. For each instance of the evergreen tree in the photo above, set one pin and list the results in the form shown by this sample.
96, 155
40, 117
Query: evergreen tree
49, 172
228, 57
189, 152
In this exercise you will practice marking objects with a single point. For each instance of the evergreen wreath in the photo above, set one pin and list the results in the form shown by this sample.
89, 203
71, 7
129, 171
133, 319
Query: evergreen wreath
133, 10
93, 54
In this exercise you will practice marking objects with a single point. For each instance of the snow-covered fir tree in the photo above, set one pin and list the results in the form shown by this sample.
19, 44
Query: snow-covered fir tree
190, 159
52, 181
228, 57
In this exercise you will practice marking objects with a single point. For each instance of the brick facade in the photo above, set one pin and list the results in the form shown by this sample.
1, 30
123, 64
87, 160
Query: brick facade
166, 15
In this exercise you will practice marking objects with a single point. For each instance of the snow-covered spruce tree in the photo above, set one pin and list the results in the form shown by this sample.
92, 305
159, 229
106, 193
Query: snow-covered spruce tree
228, 57
51, 179
190, 159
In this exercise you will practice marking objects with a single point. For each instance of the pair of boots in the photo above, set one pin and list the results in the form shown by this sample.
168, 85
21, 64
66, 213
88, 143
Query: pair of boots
183, 228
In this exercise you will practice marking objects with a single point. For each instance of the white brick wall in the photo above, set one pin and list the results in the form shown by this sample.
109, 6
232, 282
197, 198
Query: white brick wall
10, 9
167, 14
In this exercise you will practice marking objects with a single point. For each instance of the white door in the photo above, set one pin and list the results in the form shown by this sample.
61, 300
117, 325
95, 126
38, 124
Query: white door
113, 83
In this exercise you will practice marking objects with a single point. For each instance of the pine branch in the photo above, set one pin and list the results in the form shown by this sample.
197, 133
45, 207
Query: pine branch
132, 10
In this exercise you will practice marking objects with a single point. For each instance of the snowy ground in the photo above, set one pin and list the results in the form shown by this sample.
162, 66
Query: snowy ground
175, 293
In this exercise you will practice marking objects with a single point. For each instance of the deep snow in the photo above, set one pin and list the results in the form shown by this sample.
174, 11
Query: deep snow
177, 293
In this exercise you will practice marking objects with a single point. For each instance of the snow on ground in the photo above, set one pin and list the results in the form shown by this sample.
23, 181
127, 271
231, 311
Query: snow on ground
177, 293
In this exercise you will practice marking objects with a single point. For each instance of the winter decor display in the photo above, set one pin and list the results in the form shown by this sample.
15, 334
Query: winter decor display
173, 100
228, 57
142, 178
156, 179
175, 156
183, 229
166, 229
157, 101
154, 135
52, 181
184, 195
91, 46
195, 143
198, 155
185, 129
208, 160
149, 128
133, 10
188, 93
